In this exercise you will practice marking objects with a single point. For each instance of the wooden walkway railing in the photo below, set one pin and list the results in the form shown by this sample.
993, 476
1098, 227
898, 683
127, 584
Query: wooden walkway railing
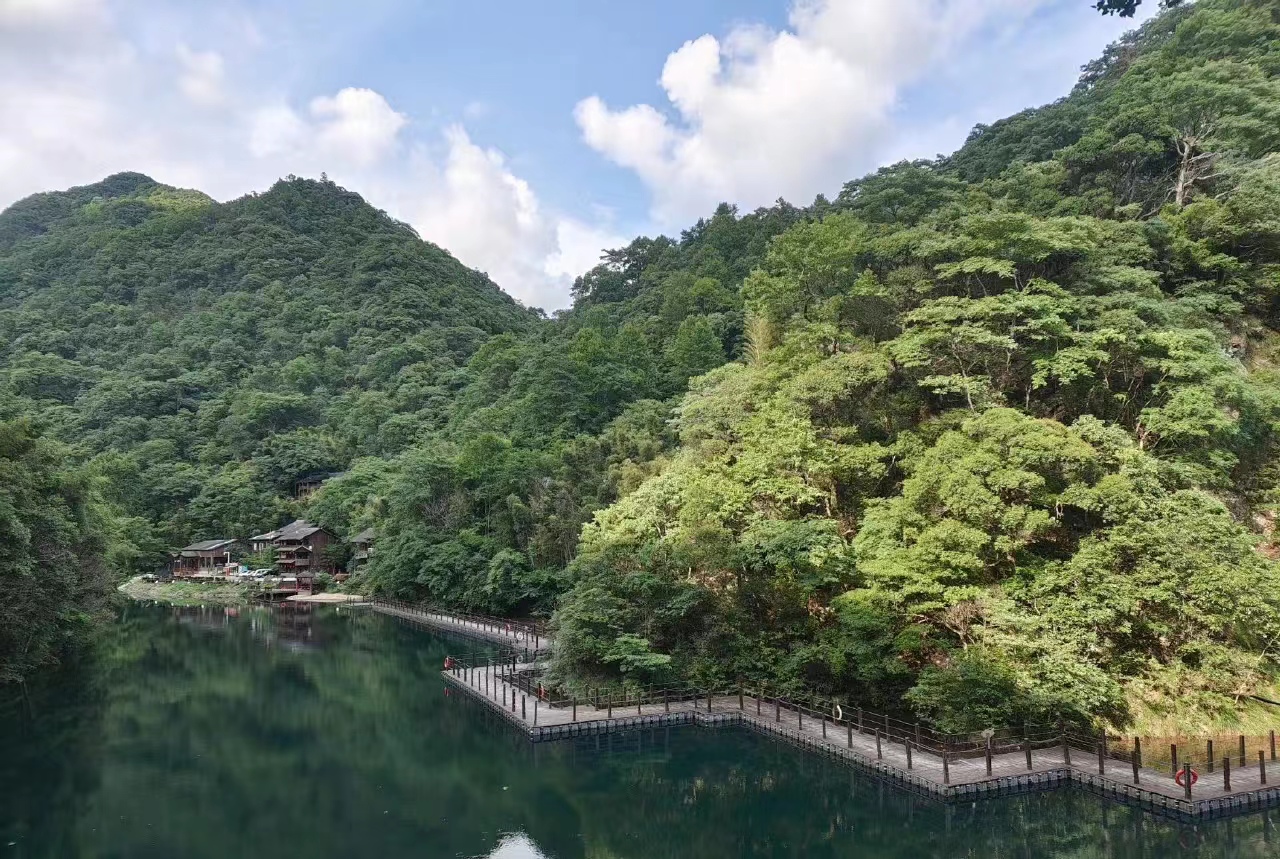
509, 679
516, 674
529, 634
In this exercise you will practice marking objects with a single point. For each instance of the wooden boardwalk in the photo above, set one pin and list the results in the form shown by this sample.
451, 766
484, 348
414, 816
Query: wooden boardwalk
957, 778
495, 632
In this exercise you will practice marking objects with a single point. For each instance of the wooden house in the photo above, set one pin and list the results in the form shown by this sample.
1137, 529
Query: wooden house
362, 545
307, 485
361, 550
261, 542
206, 558
300, 550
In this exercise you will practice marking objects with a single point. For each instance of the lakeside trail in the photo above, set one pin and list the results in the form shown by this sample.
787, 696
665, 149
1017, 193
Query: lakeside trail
1046, 763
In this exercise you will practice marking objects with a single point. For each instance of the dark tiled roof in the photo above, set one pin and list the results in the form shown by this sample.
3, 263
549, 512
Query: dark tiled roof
265, 538
365, 536
297, 530
209, 545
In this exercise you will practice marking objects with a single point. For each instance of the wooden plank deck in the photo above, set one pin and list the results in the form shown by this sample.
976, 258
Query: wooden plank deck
495, 633
961, 777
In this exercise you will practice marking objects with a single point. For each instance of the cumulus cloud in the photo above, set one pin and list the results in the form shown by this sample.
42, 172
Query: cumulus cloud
31, 15
202, 75
469, 201
94, 99
761, 114
357, 124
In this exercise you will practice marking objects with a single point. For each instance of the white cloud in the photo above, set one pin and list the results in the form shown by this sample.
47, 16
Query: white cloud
474, 205
274, 130
357, 124
94, 99
202, 75
47, 14
762, 114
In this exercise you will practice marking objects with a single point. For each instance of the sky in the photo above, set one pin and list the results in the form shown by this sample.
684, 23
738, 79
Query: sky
523, 137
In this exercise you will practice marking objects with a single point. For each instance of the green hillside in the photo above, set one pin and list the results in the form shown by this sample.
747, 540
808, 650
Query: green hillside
1001, 445
982, 439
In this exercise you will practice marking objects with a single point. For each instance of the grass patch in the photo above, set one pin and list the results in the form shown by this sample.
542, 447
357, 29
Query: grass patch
190, 593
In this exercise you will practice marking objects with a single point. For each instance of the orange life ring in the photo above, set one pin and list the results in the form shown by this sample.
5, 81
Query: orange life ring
448, 663
1195, 777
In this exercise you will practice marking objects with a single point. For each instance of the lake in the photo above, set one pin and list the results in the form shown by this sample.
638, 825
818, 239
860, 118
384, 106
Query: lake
327, 732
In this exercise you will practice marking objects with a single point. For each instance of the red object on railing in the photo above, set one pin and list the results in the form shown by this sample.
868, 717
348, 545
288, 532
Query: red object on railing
448, 663
1195, 777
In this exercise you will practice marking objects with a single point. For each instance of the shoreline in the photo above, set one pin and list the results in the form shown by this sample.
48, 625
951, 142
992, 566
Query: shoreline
188, 593
217, 593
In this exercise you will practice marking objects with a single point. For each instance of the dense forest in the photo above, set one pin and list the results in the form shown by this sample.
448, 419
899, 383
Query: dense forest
991, 437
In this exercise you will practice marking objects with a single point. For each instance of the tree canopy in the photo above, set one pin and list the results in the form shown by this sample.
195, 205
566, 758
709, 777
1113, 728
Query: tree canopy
991, 437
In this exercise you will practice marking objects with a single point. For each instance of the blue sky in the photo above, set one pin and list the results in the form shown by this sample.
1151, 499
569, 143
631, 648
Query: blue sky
524, 137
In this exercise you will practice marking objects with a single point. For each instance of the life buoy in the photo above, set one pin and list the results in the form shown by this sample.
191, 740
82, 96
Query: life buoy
1195, 777
448, 663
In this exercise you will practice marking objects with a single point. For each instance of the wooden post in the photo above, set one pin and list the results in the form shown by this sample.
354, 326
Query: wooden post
535, 711
1272, 738
1173, 754
1226, 773
666, 701
988, 755
1242, 750
777, 710
1262, 767
639, 700
1102, 755
1026, 744
1209, 754
850, 726
575, 709
879, 753
1186, 779
708, 701
609, 711
757, 702
1137, 759
1066, 742
946, 765
906, 744
741, 706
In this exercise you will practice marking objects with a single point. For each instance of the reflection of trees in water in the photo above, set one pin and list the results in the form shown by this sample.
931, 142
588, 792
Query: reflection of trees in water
51, 739
214, 745
693, 793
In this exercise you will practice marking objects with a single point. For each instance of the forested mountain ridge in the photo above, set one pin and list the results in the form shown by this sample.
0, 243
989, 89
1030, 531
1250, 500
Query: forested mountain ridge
988, 438
205, 355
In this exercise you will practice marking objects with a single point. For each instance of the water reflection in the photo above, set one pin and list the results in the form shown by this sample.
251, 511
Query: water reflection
274, 731
517, 846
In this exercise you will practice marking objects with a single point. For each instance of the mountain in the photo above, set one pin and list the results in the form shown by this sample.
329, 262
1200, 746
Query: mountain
988, 439
204, 356
1002, 444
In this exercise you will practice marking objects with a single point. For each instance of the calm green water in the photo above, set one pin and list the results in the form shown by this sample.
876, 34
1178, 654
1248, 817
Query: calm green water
282, 733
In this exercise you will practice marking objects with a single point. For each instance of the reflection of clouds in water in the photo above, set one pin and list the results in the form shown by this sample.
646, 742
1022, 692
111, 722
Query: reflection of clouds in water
516, 846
